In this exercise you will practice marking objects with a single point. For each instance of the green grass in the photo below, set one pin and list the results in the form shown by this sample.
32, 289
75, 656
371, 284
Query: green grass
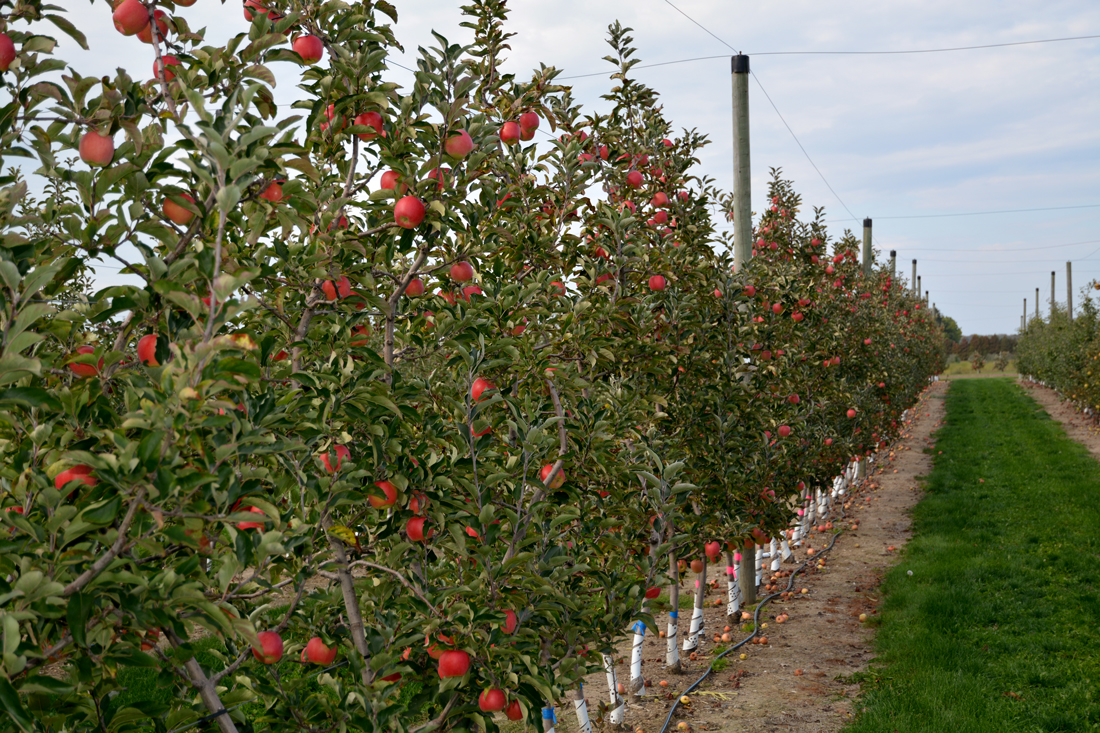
998, 628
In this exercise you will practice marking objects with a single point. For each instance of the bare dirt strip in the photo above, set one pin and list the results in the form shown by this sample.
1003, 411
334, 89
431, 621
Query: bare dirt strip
799, 680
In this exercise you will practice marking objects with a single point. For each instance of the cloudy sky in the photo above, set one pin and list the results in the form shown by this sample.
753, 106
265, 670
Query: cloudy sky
918, 142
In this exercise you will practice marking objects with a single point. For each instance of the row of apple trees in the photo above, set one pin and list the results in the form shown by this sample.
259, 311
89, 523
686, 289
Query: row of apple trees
406, 413
1064, 353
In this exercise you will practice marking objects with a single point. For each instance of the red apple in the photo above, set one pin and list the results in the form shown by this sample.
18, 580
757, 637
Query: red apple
147, 350
78, 472
559, 479
509, 626
414, 528
257, 5
341, 452
453, 663
130, 17
339, 289
415, 288
491, 701
462, 271
797, 317
374, 120
271, 647
712, 549
750, 291
176, 213
784, 431
252, 525
478, 387
439, 174
828, 441
509, 133
659, 199
697, 566
310, 48
318, 652
634, 179
777, 308
390, 179
657, 282
459, 144
273, 193
7, 51
851, 413
95, 149
389, 497
85, 370
528, 121
514, 711
652, 593
364, 332
145, 35
409, 212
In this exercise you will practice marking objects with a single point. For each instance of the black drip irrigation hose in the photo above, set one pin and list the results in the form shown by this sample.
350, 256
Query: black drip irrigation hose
750, 637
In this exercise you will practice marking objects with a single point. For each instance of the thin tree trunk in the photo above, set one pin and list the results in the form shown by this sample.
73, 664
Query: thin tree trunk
672, 655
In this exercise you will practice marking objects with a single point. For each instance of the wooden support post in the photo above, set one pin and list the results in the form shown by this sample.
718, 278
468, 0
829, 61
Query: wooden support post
867, 255
1036, 302
893, 263
742, 172
747, 577
1069, 291
913, 283
1052, 300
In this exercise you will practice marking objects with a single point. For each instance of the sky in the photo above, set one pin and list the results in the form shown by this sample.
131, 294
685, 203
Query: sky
917, 142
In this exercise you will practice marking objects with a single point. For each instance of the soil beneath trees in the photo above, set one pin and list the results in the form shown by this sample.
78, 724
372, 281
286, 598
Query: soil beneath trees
1078, 426
801, 680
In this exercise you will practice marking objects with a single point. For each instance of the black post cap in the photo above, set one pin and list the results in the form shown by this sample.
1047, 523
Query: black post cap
914, 262
893, 253
866, 223
739, 64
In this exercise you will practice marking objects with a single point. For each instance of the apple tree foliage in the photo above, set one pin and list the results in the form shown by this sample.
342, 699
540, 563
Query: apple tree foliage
299, 446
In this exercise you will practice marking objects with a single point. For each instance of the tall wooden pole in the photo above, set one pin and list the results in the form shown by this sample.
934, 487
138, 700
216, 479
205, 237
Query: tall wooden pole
1052, 301
1069, 291
1023, 318
867, 248
927, 299
918, 287
1036, 302
742, 172
913, 282
893, 262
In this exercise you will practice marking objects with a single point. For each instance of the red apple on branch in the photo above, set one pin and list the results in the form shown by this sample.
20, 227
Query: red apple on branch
147, 350
7, 51
491, 701
79, 472
270, 648
408, 212
388, 497
559, 478
341, 452
510, 133
130, 17
374, 120
318, 652
176, 213
145, 35
453, 663
86, 370
459, 144
96, 149
310, 48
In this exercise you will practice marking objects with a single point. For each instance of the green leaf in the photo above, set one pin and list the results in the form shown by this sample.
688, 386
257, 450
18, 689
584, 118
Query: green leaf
69, 29
77, 613
104, 512
9, 698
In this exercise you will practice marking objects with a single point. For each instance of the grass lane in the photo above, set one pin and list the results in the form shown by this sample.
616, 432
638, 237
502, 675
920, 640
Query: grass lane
998, 627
